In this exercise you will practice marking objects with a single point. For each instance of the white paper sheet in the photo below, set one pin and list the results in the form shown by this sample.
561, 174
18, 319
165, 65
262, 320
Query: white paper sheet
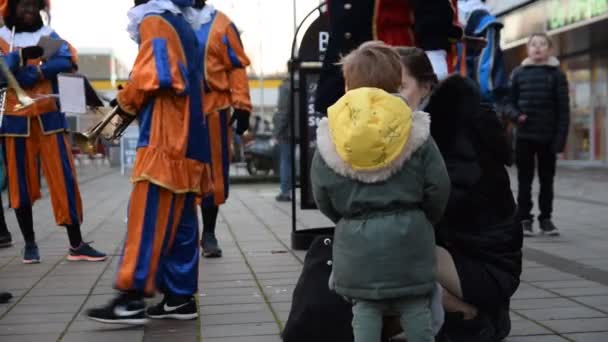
72, 94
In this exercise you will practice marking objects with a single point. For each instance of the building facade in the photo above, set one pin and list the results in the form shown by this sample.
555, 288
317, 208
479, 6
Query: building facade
578, 30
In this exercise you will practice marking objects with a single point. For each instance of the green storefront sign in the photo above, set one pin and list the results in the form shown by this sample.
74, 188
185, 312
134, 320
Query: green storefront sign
562, 13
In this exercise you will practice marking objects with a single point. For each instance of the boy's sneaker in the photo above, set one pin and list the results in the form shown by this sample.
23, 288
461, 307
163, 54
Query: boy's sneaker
527, 227
122, 310
283, 197
211, 248
173, 307
6, 240
548, 228
31, 254
5, 297
86, 253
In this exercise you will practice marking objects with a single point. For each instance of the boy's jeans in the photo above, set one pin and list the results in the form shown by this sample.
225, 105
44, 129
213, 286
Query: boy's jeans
285, 167
415, 318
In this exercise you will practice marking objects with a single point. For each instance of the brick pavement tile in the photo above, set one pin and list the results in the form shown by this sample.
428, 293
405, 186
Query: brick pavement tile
561, 313
595, 301
203, 285
280, 282
252, 298
232, 308
228, 277
524, 328
263, 316
546, 274
210, 292
34, 309
578, 325
567, 284
26, 329
583, 291
278, 275
540, 338
116, 335
589, 337
13, 318
542, 303
249, 330
533, 293
281, 306
31, 338
172, 337
262, 338
52, 300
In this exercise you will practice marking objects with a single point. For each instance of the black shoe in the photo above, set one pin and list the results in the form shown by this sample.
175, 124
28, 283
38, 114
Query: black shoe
121, 310
283, 197
548, 228
6, 240
458, 329
527, 227
31, 255
5, 297
211, 248
174, 307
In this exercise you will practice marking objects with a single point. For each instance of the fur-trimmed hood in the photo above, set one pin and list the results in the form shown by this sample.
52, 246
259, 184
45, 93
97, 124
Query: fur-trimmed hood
419, 134
551, 62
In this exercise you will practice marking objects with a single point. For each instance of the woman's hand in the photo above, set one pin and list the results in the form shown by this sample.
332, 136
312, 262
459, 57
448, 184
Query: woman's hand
522, 118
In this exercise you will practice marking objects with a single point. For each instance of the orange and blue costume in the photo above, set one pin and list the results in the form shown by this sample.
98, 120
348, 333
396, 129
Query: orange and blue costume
171, 165
225, 87
39, 131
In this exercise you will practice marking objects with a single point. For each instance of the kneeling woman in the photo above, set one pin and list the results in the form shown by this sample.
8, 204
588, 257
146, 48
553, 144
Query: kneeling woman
479, 246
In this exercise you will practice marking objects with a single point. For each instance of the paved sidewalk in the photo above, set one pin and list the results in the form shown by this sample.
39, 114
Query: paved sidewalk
246, 295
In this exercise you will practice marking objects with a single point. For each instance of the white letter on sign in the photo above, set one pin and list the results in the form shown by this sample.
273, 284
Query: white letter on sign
323, 41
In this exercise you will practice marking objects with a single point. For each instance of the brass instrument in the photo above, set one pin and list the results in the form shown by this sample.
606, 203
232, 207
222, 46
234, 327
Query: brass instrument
111, 128
24, 99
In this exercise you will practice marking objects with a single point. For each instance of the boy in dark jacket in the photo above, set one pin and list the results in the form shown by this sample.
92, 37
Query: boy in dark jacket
540, 108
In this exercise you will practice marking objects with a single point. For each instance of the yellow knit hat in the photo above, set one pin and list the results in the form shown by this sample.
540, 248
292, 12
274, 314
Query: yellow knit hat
369, 128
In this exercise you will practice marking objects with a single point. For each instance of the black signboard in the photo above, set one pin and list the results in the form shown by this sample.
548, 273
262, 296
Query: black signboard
311, 54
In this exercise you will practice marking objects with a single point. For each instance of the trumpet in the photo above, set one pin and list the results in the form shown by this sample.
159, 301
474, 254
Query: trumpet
107, 129
22, 97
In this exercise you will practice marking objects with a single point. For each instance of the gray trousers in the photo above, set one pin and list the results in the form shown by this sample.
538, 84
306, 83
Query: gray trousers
415, 315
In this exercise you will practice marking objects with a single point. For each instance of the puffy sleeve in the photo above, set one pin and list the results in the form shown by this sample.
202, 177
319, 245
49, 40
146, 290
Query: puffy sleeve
160, 65
236, 64
64, 60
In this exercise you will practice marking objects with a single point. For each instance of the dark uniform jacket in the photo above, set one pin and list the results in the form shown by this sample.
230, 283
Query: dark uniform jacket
430, 25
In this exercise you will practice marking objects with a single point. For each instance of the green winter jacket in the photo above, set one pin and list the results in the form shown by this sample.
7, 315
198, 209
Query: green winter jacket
384, 241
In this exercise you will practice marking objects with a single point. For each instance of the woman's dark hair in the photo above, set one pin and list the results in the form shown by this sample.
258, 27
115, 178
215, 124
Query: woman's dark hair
542, 35
418, 65
199, 3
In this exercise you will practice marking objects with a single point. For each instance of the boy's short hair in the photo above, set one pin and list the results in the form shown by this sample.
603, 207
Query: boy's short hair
374, 64
542, 35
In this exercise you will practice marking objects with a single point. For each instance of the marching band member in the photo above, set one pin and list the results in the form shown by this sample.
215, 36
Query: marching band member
226, 87
39, 130
171, 168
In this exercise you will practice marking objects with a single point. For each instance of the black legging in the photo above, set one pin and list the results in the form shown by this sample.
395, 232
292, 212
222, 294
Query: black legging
25, 218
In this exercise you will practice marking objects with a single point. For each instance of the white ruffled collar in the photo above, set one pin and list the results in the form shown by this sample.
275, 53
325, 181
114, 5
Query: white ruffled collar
137, 14
23, 39
199, 17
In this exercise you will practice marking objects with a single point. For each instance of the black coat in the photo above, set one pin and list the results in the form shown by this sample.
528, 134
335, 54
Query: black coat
352, 23
479, 217
541, 93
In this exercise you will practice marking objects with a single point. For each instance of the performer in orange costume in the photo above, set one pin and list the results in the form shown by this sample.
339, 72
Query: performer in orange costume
39, 131
164, 91
226, 87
